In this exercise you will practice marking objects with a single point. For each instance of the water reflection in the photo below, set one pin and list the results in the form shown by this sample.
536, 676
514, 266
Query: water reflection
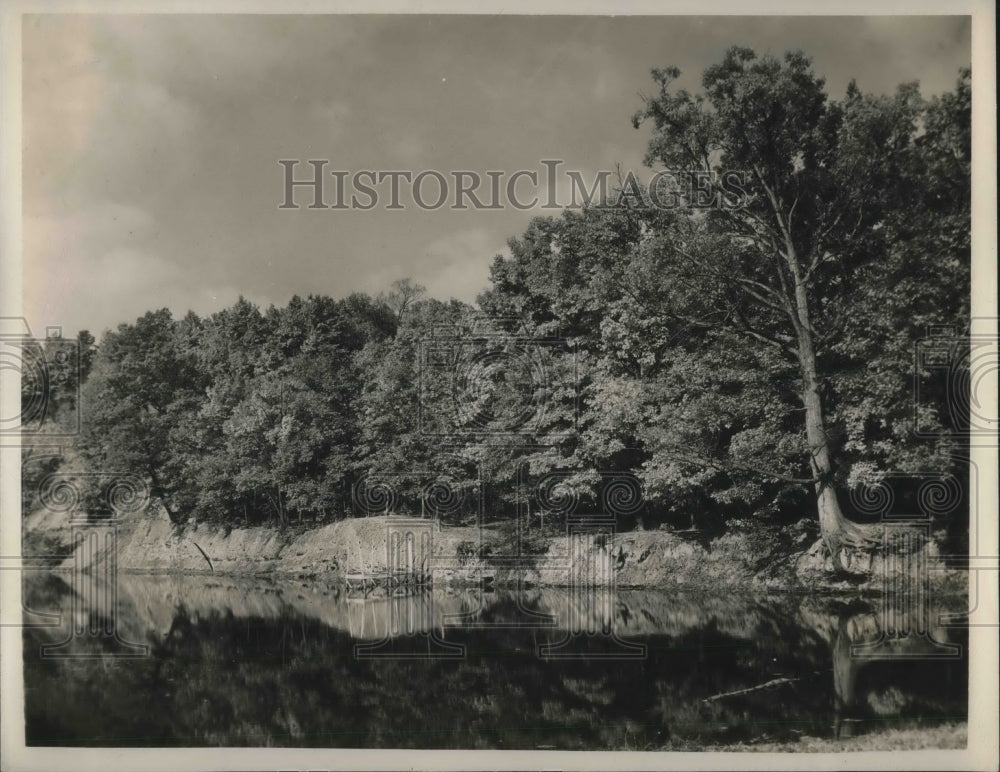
895, 648
238, 663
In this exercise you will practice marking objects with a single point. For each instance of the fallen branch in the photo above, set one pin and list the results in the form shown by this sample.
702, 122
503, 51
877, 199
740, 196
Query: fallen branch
767, 685
205, 555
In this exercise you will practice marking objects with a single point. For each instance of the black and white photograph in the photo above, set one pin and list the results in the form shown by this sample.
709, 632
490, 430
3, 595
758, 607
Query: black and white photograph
441, 387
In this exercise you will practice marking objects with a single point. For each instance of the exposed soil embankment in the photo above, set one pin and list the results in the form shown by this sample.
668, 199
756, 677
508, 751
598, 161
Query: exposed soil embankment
779, 560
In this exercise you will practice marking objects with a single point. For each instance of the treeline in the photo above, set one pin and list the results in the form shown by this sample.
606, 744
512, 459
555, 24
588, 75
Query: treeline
732, 362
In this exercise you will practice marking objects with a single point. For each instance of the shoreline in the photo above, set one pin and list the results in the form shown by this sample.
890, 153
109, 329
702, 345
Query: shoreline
156, 610
867, 592
777, 560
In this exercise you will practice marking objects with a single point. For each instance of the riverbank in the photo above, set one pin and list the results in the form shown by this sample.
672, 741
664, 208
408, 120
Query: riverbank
766, 559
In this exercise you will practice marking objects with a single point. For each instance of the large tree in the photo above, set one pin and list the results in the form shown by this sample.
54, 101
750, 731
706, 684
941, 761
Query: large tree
799, 263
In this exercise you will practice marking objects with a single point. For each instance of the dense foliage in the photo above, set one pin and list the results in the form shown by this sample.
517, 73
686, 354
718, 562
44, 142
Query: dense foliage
738, 361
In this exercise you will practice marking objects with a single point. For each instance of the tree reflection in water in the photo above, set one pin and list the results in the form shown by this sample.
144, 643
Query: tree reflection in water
284, 665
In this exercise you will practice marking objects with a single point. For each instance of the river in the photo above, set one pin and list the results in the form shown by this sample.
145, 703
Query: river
214, 661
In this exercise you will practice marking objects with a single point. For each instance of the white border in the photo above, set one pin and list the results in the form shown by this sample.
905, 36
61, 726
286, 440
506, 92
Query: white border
984, 716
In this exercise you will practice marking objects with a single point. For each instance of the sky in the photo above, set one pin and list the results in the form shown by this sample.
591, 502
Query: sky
151, 143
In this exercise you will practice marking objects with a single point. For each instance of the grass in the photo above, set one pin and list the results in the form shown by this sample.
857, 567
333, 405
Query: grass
944, 737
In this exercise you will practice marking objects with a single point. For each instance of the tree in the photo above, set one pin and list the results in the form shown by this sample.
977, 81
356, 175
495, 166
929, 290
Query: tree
747, 353
142, 380
402, 296
780, 269
395, 445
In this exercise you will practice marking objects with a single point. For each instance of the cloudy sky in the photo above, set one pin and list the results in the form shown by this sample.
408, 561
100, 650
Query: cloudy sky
151, 142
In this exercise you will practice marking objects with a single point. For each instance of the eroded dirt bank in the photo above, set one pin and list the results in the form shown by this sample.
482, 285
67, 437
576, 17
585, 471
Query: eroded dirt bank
780, 560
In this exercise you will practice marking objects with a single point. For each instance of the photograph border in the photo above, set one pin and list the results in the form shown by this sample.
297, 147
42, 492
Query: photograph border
983, 715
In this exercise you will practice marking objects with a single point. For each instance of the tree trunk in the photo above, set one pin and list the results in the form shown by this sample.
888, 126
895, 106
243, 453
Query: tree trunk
156, 490
836, 530
281, 507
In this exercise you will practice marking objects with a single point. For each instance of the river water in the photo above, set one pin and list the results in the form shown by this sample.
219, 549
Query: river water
209, 661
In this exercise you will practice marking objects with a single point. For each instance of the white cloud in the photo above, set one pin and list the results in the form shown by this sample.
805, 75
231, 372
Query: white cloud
458, 265
333, 114
151, 141
92, 269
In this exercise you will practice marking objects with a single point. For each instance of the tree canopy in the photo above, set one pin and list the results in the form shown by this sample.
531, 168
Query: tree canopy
748, 359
